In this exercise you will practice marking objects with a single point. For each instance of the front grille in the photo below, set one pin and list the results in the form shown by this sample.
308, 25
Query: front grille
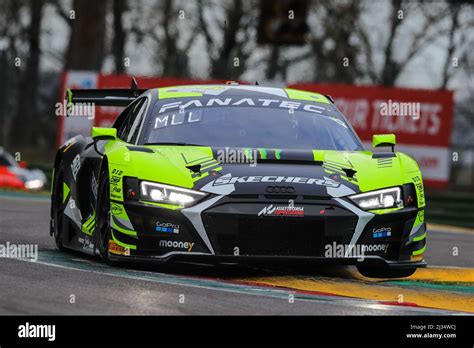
270, 236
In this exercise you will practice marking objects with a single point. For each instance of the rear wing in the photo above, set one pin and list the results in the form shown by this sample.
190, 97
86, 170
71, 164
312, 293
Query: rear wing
105, 97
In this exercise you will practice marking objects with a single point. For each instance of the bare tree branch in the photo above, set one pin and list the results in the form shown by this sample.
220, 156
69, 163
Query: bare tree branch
454, 9
61, 12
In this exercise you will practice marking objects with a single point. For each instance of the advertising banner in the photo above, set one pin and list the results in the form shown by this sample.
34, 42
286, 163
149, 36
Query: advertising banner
424, 131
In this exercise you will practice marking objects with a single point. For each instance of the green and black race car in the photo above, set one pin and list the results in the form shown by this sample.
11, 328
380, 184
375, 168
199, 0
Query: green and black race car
236, 173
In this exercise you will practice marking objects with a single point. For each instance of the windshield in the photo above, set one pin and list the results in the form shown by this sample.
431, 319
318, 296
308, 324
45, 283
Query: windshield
251, 126
6, 159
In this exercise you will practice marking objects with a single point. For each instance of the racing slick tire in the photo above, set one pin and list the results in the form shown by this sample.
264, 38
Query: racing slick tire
373, 271
103, 228
59, 222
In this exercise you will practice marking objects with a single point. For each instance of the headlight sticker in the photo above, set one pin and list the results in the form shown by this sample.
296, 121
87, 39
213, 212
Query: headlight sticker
167, 194
379, 199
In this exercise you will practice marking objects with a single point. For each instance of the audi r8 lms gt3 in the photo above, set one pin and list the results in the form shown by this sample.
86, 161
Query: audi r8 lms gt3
234, 173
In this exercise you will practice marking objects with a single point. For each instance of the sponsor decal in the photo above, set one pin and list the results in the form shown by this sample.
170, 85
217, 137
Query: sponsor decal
421, 215
177, 119
381, 232
75, 166
28, 330
261, 102
225, 184
117, 190
116, 209
86, 242
289, 210
174, 244
375, 247
115, 179
229, 180
166, 227
114, 248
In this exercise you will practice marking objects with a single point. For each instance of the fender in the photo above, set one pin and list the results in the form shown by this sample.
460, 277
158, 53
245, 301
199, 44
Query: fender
66, 154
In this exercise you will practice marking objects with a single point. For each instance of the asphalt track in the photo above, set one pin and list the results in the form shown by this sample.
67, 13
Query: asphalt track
70, 283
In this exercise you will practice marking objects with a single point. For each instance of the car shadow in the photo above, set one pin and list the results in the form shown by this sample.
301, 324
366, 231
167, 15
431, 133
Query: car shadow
230, 271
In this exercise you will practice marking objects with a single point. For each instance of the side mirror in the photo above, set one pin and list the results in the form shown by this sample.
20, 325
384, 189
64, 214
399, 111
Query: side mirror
102, 133
381, 140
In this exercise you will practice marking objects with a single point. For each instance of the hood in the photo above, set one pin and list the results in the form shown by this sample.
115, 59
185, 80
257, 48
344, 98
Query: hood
265, 171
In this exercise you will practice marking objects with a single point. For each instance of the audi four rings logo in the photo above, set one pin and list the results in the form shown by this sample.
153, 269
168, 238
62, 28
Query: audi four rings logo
280, 189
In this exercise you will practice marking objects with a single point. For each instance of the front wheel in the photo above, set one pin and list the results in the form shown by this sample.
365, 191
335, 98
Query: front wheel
372, 271
103, 229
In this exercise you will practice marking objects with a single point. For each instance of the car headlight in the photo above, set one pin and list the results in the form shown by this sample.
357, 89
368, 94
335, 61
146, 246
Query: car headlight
167, 194
34, 184
380, 199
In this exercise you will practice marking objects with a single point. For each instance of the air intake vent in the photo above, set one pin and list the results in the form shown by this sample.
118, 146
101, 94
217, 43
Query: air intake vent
384, 162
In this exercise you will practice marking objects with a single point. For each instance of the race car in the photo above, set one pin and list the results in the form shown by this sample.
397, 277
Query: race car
233, 174
17, 175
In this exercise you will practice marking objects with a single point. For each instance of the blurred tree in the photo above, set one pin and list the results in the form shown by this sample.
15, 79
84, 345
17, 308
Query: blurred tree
86, 49
118, 44
454, 9
273, 65
344, 44
175, 59
12, 35
282, 22
27, 111
333, 43
229, 48
429, 16
164, 32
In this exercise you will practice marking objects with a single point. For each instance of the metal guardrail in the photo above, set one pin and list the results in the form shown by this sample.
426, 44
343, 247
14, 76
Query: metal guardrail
450, 208
462, 169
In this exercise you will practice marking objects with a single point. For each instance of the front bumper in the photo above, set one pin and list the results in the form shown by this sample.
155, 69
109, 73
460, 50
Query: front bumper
229, 229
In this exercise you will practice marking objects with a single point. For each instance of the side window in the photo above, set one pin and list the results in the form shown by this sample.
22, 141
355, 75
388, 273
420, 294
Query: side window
129, 117
121, 121
135, 128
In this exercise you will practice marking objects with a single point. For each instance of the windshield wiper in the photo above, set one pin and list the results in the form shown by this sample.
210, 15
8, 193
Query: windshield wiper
175, 144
